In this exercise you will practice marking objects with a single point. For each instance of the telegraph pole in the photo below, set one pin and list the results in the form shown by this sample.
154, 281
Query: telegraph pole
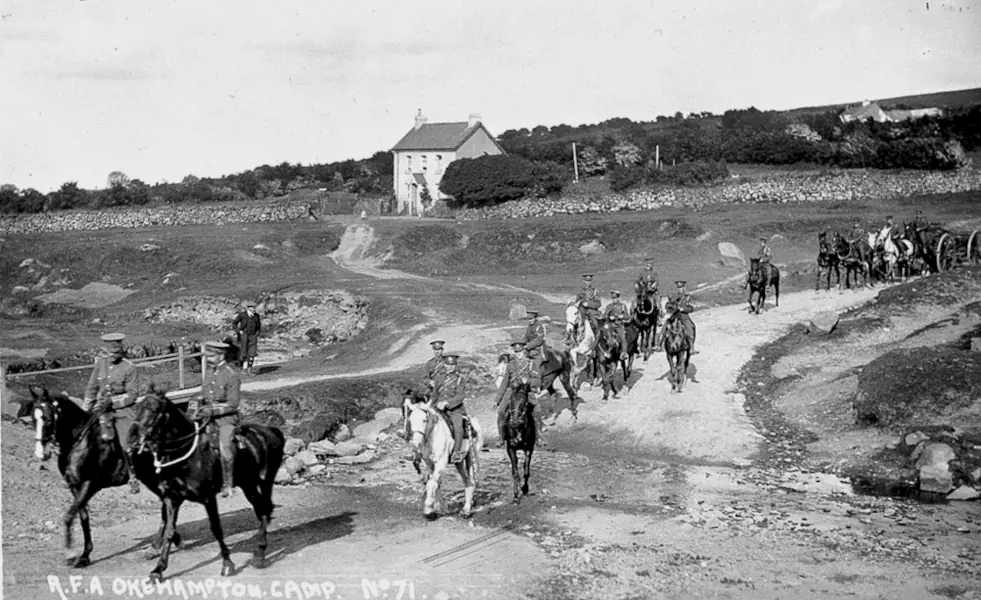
575, 161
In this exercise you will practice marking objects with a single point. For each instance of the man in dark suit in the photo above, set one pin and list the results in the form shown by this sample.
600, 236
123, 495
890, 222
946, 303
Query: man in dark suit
247, 326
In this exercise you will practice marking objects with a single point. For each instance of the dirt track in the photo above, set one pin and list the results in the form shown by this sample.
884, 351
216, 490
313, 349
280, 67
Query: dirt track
622, 506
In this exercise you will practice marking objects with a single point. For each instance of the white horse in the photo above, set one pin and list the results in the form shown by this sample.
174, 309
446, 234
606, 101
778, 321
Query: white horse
892, 253
582, 350
662, 321
432, 444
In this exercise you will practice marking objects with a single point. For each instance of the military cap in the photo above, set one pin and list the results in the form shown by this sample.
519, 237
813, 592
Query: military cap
114, 338
437, 344
649, 259
518, 345
889, 217
532, 313
451, 359
763, 238
214, 346
919, 212
681, 283
614, 293
587, 276
250, 304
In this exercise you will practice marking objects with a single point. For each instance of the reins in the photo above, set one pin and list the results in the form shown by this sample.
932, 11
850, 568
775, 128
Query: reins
159, 465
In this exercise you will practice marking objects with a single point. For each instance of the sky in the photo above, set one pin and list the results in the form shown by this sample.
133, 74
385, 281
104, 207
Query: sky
161, 89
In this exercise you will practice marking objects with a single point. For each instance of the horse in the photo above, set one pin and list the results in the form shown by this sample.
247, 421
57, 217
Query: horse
558, 365
608, 353
662, 320
762, 276
856, 257
679, 338
185, 465
87, 463
519, 434
827, 262
432, 443
645, 315
582, 341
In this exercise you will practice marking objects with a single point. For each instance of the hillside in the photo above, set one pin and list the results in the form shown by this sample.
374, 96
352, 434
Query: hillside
950, 100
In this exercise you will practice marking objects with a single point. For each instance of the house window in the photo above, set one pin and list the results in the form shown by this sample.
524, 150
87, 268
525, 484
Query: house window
424, 162
408, 163
439, 163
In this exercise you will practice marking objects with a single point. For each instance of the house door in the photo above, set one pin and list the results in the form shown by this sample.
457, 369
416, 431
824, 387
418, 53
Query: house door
414, 199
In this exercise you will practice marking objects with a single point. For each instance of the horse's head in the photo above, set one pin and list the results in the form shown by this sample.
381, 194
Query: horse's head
572, 318
153, 417
46, 412
418, 423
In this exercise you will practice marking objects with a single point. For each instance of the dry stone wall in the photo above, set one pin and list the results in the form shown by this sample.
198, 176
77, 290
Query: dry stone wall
840, 186
166, 216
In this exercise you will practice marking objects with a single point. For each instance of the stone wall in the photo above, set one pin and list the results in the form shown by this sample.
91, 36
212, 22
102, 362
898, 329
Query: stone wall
166, 216
841, 186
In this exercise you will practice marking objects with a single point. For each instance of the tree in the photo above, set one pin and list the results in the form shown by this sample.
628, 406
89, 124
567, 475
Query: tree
117, 178
9, 198
591, 162
487, 180
68, 196
626, 154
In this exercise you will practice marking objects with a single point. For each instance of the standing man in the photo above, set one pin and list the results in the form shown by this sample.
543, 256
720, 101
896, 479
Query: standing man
682, 307
112, 392
449, 396
219, 400
535, 339
435, 367
519, 371
247, 326
617, 314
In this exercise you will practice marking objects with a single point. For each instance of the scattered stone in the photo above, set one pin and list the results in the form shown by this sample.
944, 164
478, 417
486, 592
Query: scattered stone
936, 479
283, 476
912, 439
964, 493
260, 247
731, 254
369, 431
342, 433
322, 448
149, 247
360, 459
348, 448
824, 322
976, 344
975, 476
317, 469
294, 466
293, 445
19, 289
518, 312
308, 458
937, 455
591, 248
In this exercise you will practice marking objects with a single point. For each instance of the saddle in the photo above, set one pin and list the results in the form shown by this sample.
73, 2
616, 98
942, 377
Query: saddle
551, 361
469, 432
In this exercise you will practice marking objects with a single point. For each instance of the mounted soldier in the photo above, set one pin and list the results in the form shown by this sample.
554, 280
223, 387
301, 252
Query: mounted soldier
218, 406
857, 234
435, 367
448, 397
535, 333
919, 222
521, 370
112, 392
764, 254
681, 307
588, 303
647, 280
886, 233
617, 314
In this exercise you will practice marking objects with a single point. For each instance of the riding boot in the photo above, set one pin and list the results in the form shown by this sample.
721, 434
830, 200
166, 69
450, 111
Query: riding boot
228, 476
106, 426
251, 360
134, 483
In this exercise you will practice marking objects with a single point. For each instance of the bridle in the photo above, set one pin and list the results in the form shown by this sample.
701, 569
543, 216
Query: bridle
155, 444
46, 424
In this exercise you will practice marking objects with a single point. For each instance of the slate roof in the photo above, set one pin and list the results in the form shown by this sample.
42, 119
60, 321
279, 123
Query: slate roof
861, 113
438, 136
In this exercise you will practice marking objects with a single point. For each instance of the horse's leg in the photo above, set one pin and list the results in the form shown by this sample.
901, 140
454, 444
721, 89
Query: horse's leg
257, 497
528, 453
214, 520
571, 392
83, 494
513, 457
171, 508
83, 517
469, 487
683, 368
158, 539
776, 292
432, 488
667, 355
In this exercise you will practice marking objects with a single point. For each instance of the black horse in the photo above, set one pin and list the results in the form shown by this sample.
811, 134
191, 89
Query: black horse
856, 258
557, 365
645, 316
827, 262
762, 276
181, 463
608, 353
679, 340
86, 461
519, 434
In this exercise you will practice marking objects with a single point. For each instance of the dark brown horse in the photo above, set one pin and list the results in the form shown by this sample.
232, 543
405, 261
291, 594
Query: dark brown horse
645, 317
519, 435
827, 262
855, 257
86, 461
608, 353
181, 462
762, 276
557, 365
679, 339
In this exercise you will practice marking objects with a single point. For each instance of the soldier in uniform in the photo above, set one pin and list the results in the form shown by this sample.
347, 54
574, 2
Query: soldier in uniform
449, 395
885, 233
857, 233
617, 314
519, 370
535, 340
435, 367
587, 301
247, 326
918, 221
681, 306
112, 392
647, 281
219, 401
764, 254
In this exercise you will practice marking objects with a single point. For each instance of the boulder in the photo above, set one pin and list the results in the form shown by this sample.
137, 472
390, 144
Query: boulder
315, 429
936, 455
964, 493
317, 469
322, 448
935, 479
591, 248
518, 312
308, 457
975, 476
912, 439
348, 448
390, 415
976, 344
293, 445
369, 431
342, 433
283, 476
20, 289
294, 466
732, 256
824, 322
11, 405
360, 459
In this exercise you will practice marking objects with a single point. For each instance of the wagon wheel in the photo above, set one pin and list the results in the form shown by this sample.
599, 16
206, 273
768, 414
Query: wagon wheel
945, 254
974, 248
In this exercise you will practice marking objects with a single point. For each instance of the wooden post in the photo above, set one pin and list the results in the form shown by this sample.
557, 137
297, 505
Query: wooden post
575, 161
204, 364
657, 156
180, 367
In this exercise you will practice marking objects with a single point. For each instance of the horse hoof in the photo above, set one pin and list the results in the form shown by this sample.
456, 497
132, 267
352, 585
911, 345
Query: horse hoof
259, 562
227, 568
466, 514
151, 554
176, 541
516, 500
156, 576
80, 562
524, 490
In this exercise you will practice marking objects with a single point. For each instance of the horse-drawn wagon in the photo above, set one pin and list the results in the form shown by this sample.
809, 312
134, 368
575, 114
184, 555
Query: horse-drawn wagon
955, 248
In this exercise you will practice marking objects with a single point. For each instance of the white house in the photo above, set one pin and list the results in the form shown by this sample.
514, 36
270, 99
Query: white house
871, 110
422, 155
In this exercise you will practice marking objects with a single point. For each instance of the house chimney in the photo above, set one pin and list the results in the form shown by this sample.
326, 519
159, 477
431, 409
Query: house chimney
420, 120
473, 119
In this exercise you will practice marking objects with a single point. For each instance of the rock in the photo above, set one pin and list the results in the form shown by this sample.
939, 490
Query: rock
912, 439
964, 493
369, 431
517, 312
591, 248
390, 415
322, 448
824, 322
976, 344
315, 429
936, 455
975, 476
315, 335
19, 289
360, 459
348, 448
260, 247
293, 445
149, 247
294, 465
283, 476
317, 469
342, 433
731, 254
309, 458
935, 479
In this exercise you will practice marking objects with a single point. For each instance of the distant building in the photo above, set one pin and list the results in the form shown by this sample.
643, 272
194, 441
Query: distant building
422, 155
871, 110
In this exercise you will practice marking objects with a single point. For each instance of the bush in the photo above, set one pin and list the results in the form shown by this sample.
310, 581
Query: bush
919, 153
624, 178
693, 173
488, 180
